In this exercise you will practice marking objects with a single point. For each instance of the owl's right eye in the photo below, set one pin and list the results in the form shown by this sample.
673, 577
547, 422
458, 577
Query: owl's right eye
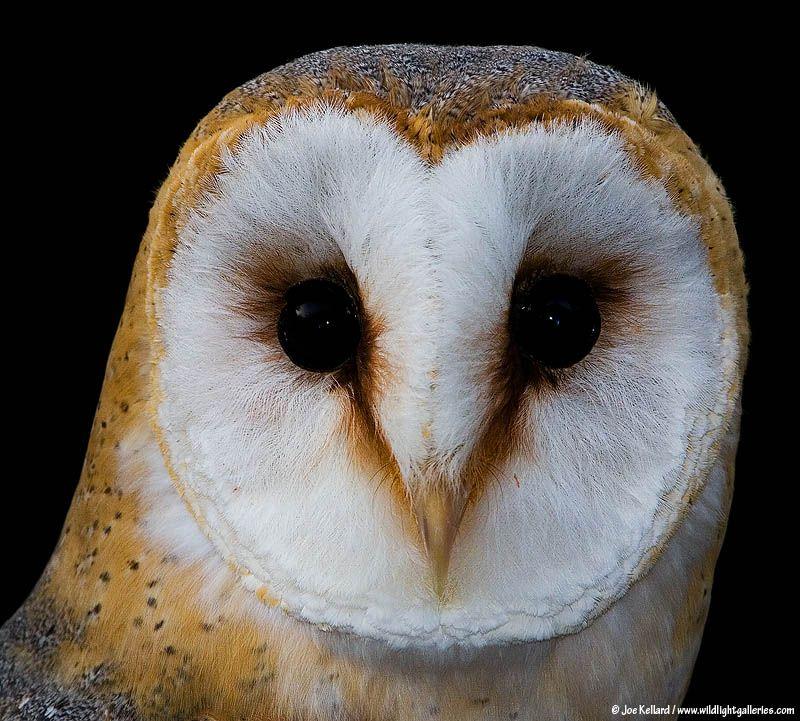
319, 328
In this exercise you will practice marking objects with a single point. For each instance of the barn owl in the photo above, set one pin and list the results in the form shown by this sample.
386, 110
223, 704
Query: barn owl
423, 405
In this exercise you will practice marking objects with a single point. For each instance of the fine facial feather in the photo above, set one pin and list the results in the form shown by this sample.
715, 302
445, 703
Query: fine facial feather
255, 443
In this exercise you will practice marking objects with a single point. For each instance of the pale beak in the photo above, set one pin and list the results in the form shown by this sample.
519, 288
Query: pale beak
439, 515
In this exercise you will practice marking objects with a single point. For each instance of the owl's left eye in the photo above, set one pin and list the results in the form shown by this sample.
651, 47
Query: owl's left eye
555, 320
319, 327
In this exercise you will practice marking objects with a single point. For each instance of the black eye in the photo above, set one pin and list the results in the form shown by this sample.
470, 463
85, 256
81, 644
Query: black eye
319, 328
555, 320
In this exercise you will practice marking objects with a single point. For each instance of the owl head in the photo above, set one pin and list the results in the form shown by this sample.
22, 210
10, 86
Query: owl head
445, 341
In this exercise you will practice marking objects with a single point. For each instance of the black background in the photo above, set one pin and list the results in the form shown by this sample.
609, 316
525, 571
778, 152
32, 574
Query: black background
95, 128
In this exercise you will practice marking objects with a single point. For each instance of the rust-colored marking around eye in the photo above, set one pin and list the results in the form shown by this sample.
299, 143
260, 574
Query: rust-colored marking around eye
261, 284
613, 280
511, 381
515, 382
360, 384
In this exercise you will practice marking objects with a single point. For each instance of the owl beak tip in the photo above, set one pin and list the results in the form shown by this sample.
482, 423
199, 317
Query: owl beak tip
439, 515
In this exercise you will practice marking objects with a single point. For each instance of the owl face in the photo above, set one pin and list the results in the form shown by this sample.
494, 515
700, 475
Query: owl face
434, 403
